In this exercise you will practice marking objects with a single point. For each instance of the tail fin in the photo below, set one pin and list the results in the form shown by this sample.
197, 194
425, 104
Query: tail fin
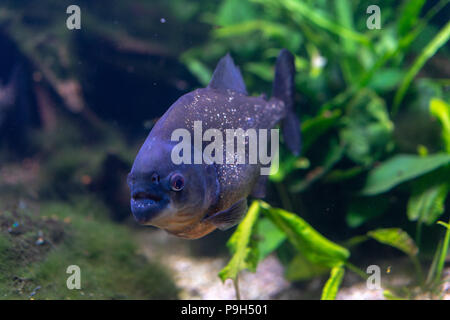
284, 89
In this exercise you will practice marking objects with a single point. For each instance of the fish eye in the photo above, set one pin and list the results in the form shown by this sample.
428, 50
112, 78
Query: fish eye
176, 182
155, 178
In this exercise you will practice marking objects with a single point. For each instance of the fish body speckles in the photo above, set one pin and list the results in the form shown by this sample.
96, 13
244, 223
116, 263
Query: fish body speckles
191, 199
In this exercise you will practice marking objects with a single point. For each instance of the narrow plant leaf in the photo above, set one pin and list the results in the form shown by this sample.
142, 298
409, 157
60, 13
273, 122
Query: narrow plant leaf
444, 251
314, 128
442, 223
396, 238
199, 70
244, 250
306, 239
438, 41
344, 13
322, 20
331, 287
334, 155
401, 168
409, 15
434, 263
441, 110
268, 29
337, 175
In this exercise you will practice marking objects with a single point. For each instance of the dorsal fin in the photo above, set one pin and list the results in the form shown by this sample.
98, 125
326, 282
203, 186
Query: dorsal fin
227, 76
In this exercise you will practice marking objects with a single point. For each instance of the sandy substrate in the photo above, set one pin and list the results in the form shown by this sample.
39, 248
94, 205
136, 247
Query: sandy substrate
197, 276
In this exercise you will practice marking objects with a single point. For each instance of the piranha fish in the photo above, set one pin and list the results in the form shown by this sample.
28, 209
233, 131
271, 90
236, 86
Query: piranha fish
190, 200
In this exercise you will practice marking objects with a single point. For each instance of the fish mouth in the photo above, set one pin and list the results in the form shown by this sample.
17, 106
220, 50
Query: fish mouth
146, 205
142, 196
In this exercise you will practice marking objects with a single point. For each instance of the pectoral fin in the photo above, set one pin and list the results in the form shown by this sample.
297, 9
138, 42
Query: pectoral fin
230, 217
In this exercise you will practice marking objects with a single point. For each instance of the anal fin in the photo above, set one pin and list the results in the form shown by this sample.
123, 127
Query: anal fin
230, 217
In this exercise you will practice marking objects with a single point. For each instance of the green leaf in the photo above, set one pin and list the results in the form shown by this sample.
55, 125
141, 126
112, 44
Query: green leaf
262, 70
409, 15
199, 70
315, 247
331, 287
267, 28
396, 238
441, 110
301, 9
367, 128
399, 169
386, 79
427, 204
442, 223
314, 128
241, 245
438, 41
269, 237
344, 12
235, 11
341, 175
301, 268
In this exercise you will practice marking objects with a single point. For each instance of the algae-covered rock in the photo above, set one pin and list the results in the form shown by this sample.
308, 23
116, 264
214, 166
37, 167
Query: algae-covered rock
36, 248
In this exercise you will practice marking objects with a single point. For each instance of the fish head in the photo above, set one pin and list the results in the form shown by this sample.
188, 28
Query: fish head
169, 196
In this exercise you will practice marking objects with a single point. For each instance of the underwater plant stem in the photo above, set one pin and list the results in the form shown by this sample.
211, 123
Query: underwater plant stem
356, 270
236, 288
434, 264
418, 268
355, 241
444, 250
419, 233
284, 197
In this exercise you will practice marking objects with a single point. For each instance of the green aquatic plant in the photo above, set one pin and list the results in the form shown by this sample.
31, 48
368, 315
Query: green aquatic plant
249, 245
371, 106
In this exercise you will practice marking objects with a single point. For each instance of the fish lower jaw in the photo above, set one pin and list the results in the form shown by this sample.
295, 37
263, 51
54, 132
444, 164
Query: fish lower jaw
144, 210
173, 221
193, 231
